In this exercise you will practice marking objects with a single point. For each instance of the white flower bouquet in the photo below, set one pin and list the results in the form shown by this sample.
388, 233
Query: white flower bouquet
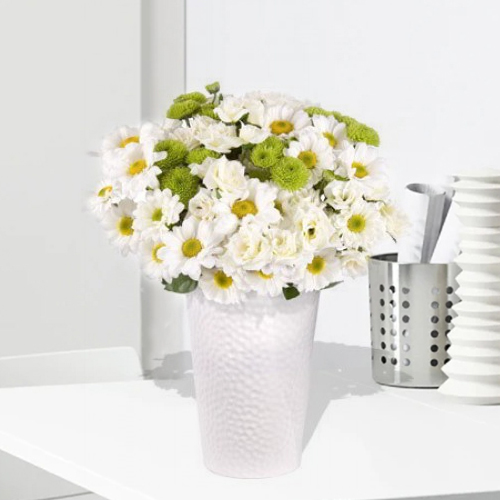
257, 194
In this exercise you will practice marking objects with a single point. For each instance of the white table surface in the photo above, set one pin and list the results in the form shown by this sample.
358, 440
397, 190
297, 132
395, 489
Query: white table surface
139, 440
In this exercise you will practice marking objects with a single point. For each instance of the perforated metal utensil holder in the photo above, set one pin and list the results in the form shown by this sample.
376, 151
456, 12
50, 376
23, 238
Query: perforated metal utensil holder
410, 313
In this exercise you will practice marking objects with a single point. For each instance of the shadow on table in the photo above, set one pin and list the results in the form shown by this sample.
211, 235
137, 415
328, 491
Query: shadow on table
337, 371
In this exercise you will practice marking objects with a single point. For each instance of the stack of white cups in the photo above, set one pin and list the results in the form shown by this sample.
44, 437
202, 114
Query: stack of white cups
474, 369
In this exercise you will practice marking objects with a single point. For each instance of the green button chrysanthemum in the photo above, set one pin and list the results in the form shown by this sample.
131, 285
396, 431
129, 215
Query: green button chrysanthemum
208, 110
191, 96
183, 109
181, 182
213, 88
267, 153
359, 132
199, 155
290, 174
314, 110
176, 153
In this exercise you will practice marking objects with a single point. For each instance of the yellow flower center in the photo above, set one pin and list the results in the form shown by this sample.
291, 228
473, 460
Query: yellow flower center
361, 170
309, 158
265, 276
317, 265
222, 280
243, 207
356, 223
157, 215
125, 226
154, 253
192, 247
129, 140
279, 127
331, 138
137, 167
278, 206
104, 191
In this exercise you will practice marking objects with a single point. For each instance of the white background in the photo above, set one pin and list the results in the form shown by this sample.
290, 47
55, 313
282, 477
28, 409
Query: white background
424, 73
70, 73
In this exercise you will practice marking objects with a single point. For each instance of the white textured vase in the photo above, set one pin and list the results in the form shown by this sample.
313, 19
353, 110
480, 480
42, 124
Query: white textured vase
251, 371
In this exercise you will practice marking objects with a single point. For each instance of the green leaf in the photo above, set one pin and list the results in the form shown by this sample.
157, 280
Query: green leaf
290, 292
213, 88
181, 284
331, 285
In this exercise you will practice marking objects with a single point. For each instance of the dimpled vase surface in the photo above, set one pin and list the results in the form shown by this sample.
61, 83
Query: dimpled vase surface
251, 365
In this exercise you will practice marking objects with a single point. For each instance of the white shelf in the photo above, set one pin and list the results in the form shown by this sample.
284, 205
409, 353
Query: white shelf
139, 440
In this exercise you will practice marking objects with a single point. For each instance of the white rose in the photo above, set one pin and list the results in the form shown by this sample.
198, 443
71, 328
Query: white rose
226, 175
285, 245
200, 124
201, 206
341, 195
255, 109
186, 136
201, 169
396, 221
315, 228
249, 248
231, 109
221, 138
354, 263
253, 135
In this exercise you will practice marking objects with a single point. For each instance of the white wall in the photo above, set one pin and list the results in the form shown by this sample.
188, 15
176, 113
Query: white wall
73, 76
422, 72
70, 73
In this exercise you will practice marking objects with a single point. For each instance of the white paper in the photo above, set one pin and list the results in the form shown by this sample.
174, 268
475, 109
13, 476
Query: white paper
424, 205
447, 247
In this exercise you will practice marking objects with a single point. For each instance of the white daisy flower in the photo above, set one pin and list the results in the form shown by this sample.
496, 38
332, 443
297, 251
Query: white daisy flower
228, 176
152, 265
249, 249
314, 151
222, 287
251, 134
120, 138
340, 195
362, 164
220, 138
265, 283
147, 134
322, 270
133, 166
107, 194
118, 223
189, 247
258, 204
231, 109
333, 131
285, 120
157, 210
354, 263
361, 225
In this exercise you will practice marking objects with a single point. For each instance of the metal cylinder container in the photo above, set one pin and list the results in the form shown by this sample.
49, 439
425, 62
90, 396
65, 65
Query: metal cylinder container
410, 315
